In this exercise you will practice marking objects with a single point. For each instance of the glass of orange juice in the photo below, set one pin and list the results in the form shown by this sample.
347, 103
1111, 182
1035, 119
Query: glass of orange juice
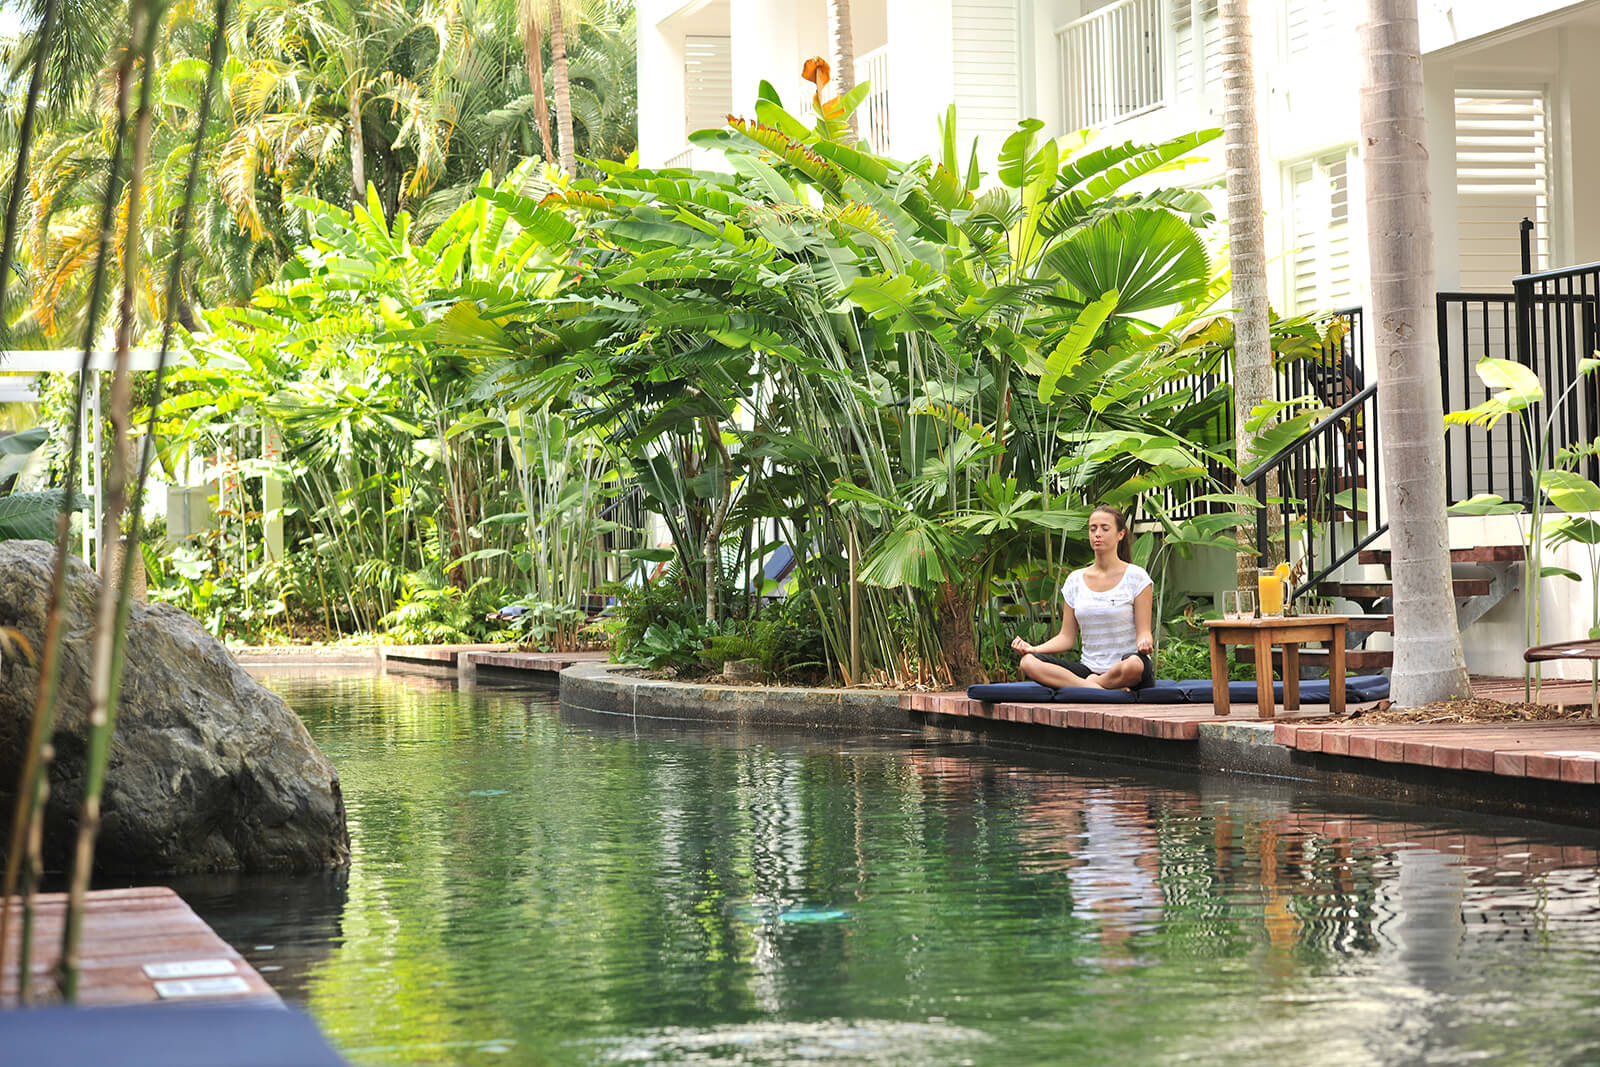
1269, 592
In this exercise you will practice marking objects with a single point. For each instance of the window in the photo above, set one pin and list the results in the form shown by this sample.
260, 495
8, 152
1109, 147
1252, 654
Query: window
1321, 274
1317, 27
1197, 58
707, 82
1502, 177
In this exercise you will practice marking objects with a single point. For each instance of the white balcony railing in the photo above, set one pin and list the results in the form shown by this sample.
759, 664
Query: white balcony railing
872, 117
684, 159
1111, 63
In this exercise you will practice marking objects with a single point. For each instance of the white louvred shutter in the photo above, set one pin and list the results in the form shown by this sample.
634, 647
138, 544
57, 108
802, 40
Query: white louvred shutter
707, 82
1197, 55
987, 66
1502, 177
1317, 27
1321, 274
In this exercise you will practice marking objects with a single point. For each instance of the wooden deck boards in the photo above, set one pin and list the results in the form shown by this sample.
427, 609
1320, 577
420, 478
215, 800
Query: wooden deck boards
542, 662
139, 945
1564, 750
440, 655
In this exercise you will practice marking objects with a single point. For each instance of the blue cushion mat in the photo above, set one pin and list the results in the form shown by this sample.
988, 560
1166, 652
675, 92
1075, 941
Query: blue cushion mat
1366, 687
1082, 694
1011, 692
1360, 687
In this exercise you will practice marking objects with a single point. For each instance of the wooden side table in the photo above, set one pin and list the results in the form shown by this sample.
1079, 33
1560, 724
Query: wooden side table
1289, 632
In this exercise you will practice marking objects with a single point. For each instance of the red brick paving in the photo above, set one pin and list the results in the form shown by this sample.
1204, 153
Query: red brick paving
1565, 750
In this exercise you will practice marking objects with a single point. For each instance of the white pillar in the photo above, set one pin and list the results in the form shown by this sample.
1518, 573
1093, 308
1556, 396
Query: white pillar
772, 39
272, 494
922, 48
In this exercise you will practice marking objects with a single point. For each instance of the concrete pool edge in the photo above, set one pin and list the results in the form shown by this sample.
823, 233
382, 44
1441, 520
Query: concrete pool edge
618, 690
1237, 747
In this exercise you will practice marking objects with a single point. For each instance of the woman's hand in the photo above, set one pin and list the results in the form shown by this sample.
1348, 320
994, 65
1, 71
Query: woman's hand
1020, 647
1146, 644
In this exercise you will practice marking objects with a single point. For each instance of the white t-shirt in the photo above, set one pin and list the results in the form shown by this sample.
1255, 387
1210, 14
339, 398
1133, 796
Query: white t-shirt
1106, 619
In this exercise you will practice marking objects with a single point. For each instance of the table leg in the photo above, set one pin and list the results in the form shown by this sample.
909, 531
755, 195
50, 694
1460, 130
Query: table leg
1266, 705
1219, 674
1336, 670
1291, 677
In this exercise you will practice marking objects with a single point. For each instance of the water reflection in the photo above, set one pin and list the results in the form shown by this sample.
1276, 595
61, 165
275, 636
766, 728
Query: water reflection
530, 886
286, 925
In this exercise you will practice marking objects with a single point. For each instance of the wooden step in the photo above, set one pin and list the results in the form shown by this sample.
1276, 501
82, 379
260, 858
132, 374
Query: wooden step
1371, 624
1380, 557
1464, 587
1355, 659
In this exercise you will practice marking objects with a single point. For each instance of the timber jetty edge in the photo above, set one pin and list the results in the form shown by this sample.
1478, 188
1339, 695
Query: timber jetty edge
1282, 749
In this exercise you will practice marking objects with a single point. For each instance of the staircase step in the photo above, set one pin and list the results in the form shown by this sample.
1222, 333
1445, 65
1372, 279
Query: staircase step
1371, 624
1482, 554
1354, 658
1464, 587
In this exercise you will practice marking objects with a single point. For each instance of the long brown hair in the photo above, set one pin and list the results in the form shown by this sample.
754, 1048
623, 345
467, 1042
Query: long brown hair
1124, 546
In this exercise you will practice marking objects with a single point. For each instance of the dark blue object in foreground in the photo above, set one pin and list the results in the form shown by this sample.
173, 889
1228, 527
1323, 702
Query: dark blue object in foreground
165, 1035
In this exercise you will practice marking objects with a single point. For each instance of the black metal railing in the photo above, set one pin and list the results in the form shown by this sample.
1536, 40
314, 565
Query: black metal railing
1331, 371
1328, 488
1473, 327
1328, 479
1557, 312
1547, 323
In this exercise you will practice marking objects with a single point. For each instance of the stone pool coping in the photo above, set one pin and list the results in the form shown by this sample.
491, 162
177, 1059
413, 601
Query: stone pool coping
618, 690
1181, 737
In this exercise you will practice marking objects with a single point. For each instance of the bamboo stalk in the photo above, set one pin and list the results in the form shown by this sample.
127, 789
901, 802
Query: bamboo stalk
31, 792
34, 789
112, 609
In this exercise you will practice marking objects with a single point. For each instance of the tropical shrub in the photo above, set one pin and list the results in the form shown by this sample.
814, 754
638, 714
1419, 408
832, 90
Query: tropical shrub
919, 385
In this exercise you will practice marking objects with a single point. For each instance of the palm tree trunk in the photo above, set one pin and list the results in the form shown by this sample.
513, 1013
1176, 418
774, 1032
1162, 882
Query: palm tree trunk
1252, 340
558, 74
358, 153
1428, 662
533, 53
842, 49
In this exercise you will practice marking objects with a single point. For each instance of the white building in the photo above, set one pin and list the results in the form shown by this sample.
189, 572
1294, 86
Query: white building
1506, 85
1511, 136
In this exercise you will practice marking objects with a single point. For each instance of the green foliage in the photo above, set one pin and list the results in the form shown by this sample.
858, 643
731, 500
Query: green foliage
659, 603
680, 646
318, 98
28, 515
726, 646
790, 641
243, 604
1190, 657
823, 348
1515, 390
431, 612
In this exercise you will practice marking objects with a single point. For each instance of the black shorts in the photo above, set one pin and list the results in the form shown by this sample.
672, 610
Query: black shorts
1147, 679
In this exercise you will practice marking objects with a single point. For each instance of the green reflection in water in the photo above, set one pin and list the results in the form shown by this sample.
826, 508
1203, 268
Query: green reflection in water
529, 888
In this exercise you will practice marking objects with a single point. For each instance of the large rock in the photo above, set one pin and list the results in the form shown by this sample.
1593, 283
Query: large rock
209, 770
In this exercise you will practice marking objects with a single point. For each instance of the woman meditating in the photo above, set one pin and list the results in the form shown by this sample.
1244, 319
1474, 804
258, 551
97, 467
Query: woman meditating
1109, 603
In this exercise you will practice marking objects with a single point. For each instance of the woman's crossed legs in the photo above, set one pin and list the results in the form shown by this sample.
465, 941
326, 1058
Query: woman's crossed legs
1132, 672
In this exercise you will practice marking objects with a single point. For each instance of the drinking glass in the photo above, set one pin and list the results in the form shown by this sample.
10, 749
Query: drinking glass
1269, 588
1238, 604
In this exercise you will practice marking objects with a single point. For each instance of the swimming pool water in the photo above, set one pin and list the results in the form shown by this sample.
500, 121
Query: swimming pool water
530, 886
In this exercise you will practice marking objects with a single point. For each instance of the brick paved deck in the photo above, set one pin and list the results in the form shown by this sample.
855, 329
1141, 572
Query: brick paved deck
1564, 751
139, 945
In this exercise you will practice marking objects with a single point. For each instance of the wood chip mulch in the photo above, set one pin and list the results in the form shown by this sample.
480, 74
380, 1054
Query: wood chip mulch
1472, 709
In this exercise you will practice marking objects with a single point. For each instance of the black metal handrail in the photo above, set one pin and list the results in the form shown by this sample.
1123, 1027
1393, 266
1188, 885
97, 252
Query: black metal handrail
1332, 378
1331, 460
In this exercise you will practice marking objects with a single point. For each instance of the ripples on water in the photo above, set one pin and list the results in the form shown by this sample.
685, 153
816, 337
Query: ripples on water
534, 888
